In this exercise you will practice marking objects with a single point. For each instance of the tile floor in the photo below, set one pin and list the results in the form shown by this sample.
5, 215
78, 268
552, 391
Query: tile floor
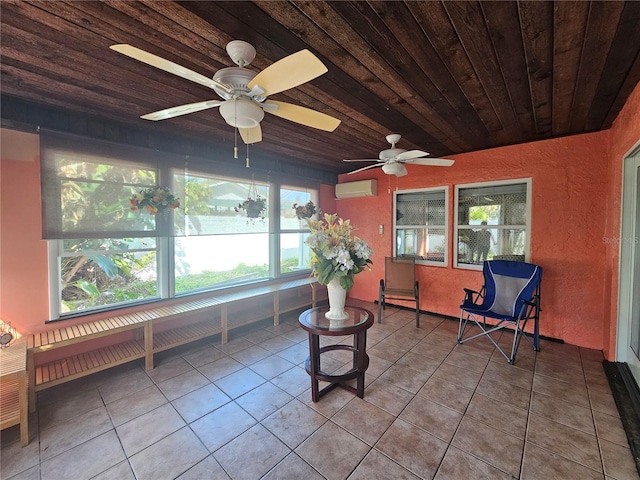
432, 409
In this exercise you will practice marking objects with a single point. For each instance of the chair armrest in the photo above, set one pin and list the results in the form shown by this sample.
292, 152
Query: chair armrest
469, 295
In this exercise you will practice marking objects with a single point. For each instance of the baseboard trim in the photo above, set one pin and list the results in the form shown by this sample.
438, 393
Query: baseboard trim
627, 397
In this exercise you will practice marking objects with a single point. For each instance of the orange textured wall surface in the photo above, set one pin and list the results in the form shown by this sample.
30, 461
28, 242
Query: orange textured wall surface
570, 189
24, 299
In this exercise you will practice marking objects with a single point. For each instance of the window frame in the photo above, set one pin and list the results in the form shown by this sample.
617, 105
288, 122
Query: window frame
420, 261
497, 183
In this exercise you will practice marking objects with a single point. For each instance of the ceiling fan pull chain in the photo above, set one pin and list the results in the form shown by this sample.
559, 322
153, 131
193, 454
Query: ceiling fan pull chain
247, 159
235, 142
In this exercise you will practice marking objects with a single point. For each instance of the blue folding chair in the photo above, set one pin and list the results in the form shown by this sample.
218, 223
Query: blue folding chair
510, 296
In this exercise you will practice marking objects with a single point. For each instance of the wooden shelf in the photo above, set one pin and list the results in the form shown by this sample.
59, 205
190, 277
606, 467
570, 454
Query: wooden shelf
221, 313
14, 407
76, 366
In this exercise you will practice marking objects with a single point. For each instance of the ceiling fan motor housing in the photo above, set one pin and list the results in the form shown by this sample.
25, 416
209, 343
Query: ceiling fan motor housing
390, 153
395, 168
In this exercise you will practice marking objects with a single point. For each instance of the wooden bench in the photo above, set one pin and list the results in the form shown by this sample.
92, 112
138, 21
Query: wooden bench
226, 311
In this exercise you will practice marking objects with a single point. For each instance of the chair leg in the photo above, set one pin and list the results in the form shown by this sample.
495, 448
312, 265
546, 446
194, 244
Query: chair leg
418, 309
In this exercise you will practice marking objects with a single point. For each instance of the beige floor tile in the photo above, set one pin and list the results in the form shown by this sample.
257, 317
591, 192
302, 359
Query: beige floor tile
568, 392
561, 372
618, 461
138, 403
208, 469
204, 355
164, 369
413, 448
125, 385
58, 412
85, 460
182, 384
377, 365
294, 381
271, 366
609, 427
222, 425
332, 451
200, 402
541, 464
252, 454
464, 359
240, 382
142, 431
450, 373
387, 396
603, 402
235, 344
263, 400
574, 445
220, 368
568, 414
387, 351
251, 355
512, 374
14, 458
406, 378
63, 436
376, 465
458, 465
495, 387
292, 468
294, 423
277, 344
121, 471
500, 415
329, 404
447, 394
419, 362
170, 457
497, 448
296, 354
364, 420
432, 417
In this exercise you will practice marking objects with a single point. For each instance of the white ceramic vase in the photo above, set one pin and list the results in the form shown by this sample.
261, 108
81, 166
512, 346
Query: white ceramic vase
337, 299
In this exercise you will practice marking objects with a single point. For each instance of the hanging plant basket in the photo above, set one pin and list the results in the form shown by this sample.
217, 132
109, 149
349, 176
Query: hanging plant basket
254, 208
305, 211
154, 200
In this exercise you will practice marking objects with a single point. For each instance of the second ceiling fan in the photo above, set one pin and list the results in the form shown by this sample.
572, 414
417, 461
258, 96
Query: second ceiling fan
244, 92
392, 160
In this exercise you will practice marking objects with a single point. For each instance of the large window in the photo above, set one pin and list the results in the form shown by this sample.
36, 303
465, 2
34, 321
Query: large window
294, 253
493, 222
104, 255
421, 225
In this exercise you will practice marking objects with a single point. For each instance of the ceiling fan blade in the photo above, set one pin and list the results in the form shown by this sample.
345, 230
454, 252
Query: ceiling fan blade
363, 160
411, 154
180, 110
302, 115
167, 66
436, 162
251, 135
366, 168
289, 72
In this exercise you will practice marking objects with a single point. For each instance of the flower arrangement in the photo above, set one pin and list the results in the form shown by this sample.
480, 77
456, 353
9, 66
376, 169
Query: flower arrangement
154, 200
335, 251
254, 208
305, 211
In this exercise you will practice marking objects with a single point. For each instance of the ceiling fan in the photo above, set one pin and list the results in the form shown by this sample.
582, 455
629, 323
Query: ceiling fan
244, 92
393, 159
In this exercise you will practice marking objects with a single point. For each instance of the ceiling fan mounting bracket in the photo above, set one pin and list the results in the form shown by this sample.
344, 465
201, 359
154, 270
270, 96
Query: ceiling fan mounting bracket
241, 52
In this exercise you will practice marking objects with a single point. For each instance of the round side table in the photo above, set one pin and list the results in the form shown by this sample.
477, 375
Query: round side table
314, 322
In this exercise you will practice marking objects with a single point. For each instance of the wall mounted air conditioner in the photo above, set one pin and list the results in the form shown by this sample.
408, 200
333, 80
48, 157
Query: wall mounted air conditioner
363, 188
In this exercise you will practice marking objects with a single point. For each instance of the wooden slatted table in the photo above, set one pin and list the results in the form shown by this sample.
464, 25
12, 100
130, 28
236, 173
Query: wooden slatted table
14, 408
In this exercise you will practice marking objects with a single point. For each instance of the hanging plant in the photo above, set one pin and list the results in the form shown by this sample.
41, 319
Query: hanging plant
154, 200
255, 208
305, 211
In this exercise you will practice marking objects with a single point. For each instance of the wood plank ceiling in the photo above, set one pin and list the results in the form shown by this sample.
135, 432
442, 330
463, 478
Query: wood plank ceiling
449, 76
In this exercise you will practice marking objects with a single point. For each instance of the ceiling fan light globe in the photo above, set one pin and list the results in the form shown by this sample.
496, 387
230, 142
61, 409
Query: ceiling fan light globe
396, 169
241, 113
